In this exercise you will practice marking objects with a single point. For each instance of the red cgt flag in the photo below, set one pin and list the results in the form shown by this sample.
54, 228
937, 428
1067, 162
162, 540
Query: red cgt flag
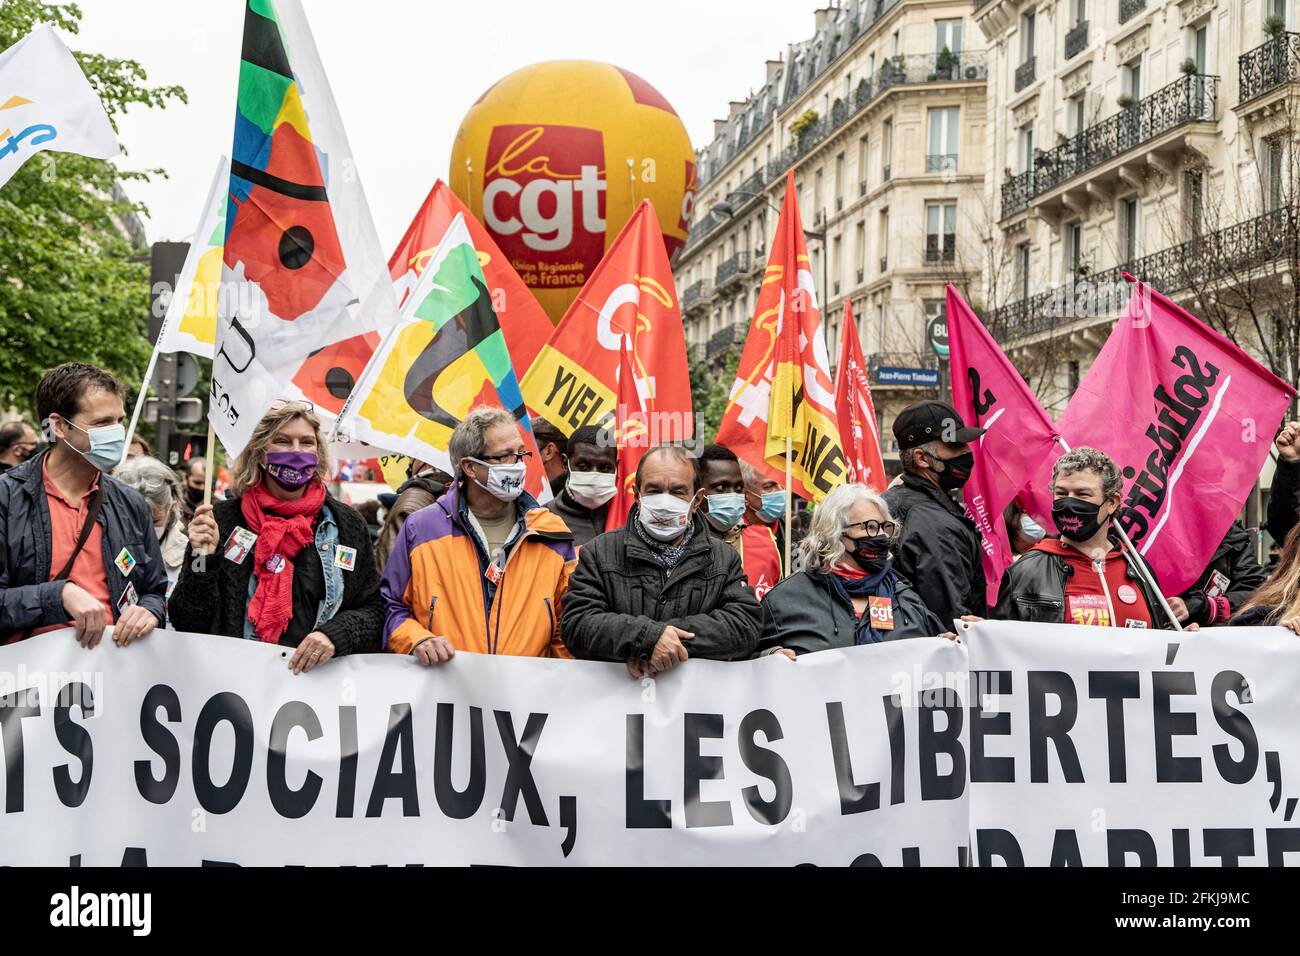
855, 411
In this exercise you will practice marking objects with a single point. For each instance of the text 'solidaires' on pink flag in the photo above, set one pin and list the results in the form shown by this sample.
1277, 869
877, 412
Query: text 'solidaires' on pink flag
989, 393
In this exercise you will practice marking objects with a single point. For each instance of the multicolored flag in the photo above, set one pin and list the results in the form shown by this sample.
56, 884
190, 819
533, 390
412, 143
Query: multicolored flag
628, 304
989, 393
783, 386
855, 413
307, 288
446, 356
190, 324
524, 324
46, 102
1189, 418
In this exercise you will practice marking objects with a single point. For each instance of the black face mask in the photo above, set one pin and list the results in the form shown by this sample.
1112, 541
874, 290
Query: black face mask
956, 471
1076, 519
194, 495
870, 551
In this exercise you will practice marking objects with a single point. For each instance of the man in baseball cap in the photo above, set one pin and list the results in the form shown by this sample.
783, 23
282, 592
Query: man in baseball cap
938, 548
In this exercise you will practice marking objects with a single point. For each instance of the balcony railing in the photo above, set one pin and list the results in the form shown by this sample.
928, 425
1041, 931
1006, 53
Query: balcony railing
1232, 251
1268, 66
1128, 9
1186, 100
939, 249
736, 266
720, 341
1026, 72
1076, 40
697, 292
940, 162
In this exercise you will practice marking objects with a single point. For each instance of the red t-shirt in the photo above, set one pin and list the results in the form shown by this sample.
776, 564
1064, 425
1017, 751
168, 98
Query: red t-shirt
66, 520
760, 558
1086, 600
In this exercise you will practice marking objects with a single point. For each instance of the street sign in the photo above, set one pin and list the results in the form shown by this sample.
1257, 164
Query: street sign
189, 411
938, 335
925, 377
187, 374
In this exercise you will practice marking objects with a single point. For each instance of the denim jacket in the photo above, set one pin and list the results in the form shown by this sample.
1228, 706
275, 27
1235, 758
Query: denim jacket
327, 537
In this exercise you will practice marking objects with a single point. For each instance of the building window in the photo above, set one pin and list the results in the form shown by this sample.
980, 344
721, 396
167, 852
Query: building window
1027, 26
1076, 114
940, 232
941, 151
1022, 270
1128, 230
1133, 78
884, 240
895, 42
1073, 250
947, 34
1026, 148
839, 182
1274, 150
1080, 10
863, 145
886, 148
860, 251
1194, 201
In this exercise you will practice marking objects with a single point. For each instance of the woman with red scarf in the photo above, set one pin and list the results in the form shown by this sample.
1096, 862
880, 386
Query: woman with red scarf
847, 591
282, 562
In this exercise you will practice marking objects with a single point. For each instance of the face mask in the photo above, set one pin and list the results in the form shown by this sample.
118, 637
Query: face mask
870, 551
725, 510
194, 495
106, 445
1076, 519
956, 471
292, 469
773, 506
505, 482
591, 489
1031, 529
664, 517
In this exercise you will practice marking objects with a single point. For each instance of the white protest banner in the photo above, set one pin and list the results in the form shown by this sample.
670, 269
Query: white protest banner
1112, 746
185, 748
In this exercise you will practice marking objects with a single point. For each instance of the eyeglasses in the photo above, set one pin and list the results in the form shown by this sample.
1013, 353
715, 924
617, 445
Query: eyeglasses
509, 458
280, 403
872, 527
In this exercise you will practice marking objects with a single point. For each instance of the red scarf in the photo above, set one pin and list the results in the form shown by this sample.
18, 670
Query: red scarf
848, 571
282, 529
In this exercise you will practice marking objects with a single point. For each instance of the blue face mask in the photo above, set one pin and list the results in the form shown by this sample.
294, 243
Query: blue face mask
1031, 529
106, 445
725, 510
773, 506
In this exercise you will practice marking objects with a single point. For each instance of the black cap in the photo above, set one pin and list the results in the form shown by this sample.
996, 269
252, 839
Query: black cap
931, 421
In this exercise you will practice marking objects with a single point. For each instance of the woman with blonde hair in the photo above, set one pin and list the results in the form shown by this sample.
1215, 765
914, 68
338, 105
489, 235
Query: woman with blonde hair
847, 592
1278, 599
280, 561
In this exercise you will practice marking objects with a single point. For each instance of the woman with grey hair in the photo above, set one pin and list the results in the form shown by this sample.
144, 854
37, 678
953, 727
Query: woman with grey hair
162, 492
847, 592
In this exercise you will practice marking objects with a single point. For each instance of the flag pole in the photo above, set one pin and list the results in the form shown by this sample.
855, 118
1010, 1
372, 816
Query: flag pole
1138, 562
139, 401
789, 498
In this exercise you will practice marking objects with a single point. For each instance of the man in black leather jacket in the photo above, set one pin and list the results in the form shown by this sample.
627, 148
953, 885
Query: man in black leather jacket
1227, 582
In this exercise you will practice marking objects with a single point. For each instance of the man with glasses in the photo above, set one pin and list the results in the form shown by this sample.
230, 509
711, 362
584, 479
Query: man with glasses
484, 568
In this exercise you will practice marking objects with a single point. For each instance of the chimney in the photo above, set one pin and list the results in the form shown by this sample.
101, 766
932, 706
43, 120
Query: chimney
772, 67
734, 107
718, 126
824, 14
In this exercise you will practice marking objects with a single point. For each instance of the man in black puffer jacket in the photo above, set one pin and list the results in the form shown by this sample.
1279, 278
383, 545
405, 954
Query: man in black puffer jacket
661, 589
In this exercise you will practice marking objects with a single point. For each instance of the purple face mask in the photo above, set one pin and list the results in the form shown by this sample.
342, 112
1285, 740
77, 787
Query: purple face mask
293, 469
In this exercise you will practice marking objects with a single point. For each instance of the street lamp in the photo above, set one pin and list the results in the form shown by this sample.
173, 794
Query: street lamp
727, 209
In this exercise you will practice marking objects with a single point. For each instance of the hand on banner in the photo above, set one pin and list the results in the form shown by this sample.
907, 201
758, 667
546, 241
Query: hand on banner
135, 622
314, 650
87, 614
1179, 607
203, 530
1293, 624
433, 650
1288, 442
669, 650
785, 652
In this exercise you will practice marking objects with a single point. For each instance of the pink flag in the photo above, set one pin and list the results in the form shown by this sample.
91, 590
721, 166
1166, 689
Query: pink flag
989, 393
1189, 418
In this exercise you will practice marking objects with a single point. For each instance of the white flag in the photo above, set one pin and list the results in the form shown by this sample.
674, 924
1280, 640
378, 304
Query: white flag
46, 102
190, 324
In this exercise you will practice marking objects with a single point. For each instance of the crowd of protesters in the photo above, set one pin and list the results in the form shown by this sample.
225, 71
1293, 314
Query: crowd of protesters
469, 562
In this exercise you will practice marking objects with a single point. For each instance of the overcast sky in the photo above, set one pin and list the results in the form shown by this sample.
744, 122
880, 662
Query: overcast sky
405, 72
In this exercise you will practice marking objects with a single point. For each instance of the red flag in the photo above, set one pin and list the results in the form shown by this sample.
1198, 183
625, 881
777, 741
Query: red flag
523, 323
855, 411
631, 442
1189, 417
628, 304
989, 393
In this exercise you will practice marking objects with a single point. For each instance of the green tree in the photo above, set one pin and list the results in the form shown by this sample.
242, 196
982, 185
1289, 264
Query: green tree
710, 390
72, 286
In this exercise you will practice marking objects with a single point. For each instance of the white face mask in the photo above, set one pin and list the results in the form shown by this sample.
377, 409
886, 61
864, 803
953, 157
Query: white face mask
664, 517
505, 482
592, 489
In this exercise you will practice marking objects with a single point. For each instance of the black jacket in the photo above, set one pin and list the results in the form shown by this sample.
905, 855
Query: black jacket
28, 598
1284, 500
1033, 589
938, 549
215, 600
1234, 559
585, 523
620, 599
806, 613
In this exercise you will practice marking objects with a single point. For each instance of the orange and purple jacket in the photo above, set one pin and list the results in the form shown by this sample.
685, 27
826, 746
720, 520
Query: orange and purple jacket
437, 583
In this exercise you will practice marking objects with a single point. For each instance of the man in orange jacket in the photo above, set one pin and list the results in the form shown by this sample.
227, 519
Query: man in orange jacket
484, 568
